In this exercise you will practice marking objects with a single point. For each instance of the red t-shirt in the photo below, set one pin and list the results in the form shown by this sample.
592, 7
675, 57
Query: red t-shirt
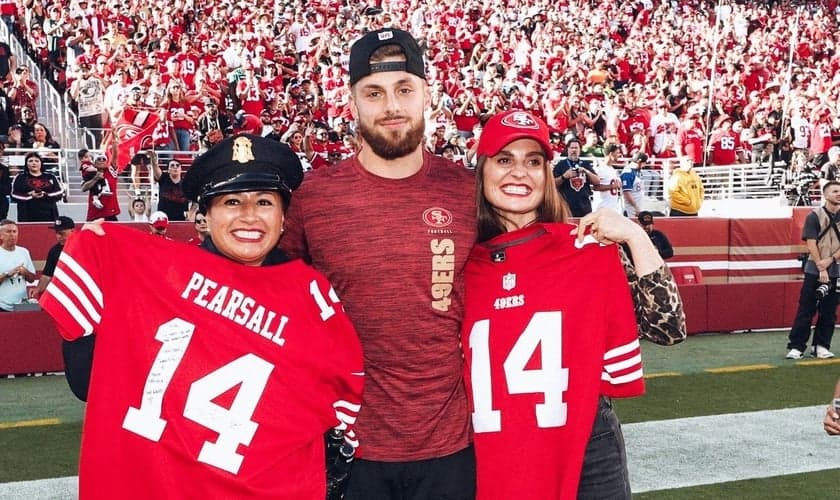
820, 138
109, 198
211, 379
690, 139
539, 351
395, 251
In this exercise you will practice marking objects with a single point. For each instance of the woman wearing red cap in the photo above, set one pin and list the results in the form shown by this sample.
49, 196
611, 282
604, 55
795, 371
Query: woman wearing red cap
549, 328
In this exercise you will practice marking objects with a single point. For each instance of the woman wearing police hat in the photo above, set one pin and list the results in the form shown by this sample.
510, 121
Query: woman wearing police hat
215, 371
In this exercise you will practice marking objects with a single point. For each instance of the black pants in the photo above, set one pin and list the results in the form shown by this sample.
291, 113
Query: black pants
808, 306
604, 475
4, 206
446, 478
676, 213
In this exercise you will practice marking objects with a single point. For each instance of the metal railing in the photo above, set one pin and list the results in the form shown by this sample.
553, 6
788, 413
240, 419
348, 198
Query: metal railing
50, 102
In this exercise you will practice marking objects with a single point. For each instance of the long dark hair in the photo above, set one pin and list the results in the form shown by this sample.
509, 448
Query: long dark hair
490, 224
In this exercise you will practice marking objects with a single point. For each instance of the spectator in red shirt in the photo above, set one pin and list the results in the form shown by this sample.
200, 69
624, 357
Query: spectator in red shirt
690, 136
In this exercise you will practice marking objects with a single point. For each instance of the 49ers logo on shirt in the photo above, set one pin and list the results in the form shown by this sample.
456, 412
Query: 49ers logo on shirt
437, 217
520, 119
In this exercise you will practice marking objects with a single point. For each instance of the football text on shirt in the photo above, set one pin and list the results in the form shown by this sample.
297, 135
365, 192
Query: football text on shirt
235, 306
443, 272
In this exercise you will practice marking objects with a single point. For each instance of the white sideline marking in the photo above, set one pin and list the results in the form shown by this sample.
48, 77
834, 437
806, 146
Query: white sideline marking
694, 451
60, 488
661, 454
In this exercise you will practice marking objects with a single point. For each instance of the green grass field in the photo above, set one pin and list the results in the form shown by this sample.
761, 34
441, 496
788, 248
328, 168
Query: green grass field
40, 420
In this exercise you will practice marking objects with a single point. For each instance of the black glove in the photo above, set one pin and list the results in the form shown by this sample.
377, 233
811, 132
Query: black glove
339, 454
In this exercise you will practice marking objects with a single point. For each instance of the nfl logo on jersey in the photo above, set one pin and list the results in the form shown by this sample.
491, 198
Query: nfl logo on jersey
509, 281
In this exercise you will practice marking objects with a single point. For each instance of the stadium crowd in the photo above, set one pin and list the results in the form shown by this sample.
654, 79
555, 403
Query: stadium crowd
639, 73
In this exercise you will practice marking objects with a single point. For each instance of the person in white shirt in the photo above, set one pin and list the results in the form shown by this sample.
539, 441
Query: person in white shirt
16, 267
658, 130
608, 192
632, 184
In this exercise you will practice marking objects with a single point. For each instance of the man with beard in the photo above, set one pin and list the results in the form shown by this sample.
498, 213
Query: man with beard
574, 179
392, 227
213, 126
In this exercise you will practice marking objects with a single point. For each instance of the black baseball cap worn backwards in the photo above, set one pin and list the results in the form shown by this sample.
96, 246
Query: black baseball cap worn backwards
241, 163
64, 222
360, 52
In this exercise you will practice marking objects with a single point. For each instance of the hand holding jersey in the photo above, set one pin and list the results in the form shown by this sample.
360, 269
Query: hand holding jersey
230, 374
523, 298
608, 226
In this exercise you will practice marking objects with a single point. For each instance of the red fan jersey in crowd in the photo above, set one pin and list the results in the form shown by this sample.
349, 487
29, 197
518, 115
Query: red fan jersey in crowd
820, 138
724, 145
540, 350
177, 114
108, 199
188, 63
211, 379
690, 140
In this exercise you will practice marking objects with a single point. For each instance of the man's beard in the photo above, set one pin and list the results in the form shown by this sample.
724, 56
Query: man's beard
392, 144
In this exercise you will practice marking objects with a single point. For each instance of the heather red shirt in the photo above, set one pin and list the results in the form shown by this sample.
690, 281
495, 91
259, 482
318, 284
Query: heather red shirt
395, 250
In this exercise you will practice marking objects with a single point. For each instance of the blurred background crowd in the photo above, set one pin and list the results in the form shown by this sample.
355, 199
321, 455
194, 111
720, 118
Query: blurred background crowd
746, 75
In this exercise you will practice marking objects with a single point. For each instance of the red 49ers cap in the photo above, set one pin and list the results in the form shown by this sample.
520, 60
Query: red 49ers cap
504, 128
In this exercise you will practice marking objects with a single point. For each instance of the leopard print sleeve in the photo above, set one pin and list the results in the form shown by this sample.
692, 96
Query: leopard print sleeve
659, 308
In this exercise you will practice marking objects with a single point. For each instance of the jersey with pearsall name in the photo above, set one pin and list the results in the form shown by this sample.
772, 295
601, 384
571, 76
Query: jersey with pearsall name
211, 379
548, 328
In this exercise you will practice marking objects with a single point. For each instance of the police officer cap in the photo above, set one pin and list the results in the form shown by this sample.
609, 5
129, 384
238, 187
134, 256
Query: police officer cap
244, 162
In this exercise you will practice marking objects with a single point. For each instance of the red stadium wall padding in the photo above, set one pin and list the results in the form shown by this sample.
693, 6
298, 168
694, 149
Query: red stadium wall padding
745, 306
798, 220
695, 305
791, 301
702, 242
758, 251
31, 343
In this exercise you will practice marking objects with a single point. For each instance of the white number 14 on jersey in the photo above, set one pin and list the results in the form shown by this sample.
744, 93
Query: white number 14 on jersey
551, 379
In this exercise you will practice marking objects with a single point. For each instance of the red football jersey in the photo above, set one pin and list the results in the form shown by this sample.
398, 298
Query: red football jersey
548, 327
725, 145
211, 379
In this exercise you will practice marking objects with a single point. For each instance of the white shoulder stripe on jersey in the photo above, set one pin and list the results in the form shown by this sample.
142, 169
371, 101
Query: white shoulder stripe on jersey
352, 442
83, 275
71, 308
76, 291
623, 379
347, 405
345, 418
623, 365
622, 349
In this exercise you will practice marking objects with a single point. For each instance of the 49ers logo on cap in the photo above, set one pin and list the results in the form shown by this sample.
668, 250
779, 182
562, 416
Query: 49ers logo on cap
520, 119
437, 217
